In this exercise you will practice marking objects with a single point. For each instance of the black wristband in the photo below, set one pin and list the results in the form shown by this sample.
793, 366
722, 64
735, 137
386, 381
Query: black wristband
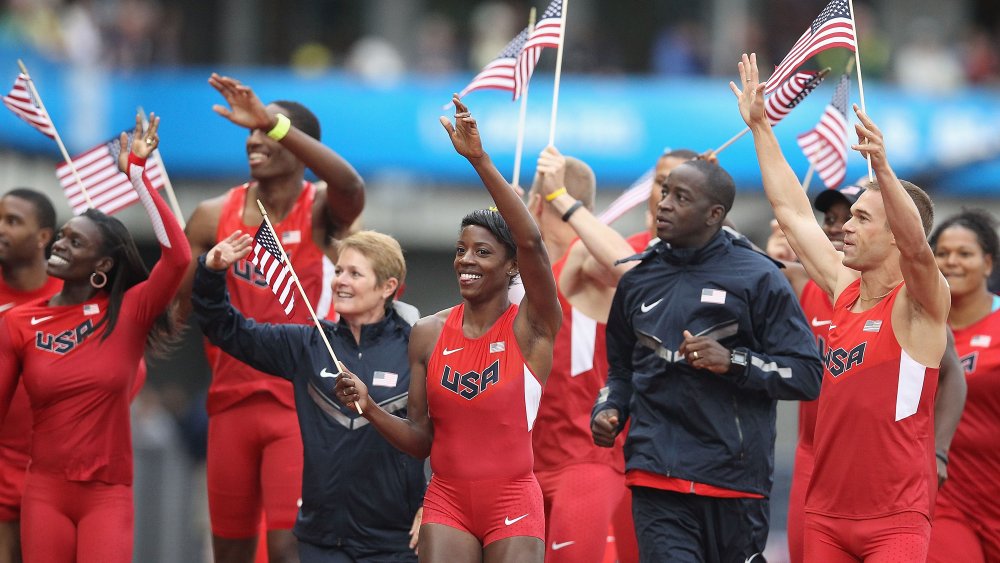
941, 456
572, 209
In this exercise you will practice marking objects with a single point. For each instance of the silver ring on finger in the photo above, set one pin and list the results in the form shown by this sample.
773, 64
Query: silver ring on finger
694, 354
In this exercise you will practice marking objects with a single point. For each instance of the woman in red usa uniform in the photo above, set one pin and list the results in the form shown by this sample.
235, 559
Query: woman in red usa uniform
966, 514
477, 372
77, 353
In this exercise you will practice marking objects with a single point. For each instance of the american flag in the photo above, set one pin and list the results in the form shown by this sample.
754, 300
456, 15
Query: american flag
832, 28
635, 195
267, 256
548, 32
499, 73
23, 104
780, 103
109, 188
826, 144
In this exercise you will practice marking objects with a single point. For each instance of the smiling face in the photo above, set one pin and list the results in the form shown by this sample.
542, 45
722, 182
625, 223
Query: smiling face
686, 217
481, 263
21, 238
267, 158
833, 223
867, 238
76, 252
961, 259
356, 292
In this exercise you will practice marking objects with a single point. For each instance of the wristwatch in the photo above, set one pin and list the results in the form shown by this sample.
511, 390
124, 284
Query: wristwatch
739, 359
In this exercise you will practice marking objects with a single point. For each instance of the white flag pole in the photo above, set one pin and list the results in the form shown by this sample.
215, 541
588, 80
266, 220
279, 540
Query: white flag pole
302, 292
62, 147
861, 84
809, 176
555, 85
171, 196
522, 117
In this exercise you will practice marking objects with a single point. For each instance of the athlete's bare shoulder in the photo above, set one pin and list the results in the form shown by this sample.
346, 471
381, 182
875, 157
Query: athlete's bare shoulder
204, 222
424, 334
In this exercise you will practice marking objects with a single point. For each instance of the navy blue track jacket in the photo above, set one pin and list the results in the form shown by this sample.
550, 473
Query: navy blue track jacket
694, 424
357, 490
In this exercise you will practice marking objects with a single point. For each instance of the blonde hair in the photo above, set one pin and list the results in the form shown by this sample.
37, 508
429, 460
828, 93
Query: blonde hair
384, 253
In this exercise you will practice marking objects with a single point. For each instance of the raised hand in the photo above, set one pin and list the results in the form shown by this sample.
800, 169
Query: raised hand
871, 144
143, 142
464, 134
245, 108
228, 251
751, 97
552, 167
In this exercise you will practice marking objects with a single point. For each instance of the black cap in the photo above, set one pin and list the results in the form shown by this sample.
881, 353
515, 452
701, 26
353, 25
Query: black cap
826, 198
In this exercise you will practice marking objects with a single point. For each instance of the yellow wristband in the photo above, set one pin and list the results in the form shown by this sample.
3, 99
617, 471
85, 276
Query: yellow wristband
280, 128
555, 194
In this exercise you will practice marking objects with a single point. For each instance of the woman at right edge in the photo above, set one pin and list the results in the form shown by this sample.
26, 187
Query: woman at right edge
477, 371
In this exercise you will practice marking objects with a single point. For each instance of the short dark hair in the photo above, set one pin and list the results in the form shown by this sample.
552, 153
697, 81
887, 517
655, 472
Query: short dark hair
45, 213
981, 222
925, 207
719, 185
300, 116
493, 222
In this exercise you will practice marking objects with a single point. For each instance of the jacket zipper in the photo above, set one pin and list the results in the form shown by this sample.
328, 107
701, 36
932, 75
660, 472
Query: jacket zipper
739, 425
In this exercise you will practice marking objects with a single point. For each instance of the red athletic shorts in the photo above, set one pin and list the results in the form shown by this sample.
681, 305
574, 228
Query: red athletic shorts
254, 464
86, 522
961, 535
12, 469
580, 500
897, 538
490, 510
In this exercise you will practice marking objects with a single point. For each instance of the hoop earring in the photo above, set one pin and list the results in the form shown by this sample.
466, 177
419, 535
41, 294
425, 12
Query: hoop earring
100, 281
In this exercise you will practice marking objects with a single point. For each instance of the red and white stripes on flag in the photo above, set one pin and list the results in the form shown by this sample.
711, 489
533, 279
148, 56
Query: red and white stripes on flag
826, 144
268, 258
780, 103
23, 104
834, 27
548, 32
499, 73
634, 196
109, 189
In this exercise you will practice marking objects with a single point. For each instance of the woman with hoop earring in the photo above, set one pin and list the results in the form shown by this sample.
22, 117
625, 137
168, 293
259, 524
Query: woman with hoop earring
77, 353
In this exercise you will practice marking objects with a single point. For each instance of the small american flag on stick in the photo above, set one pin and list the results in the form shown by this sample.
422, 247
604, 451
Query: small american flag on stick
271, 261
781, 102
110, 189
834, 27
499, 73
548, 32
826, 144
23, 104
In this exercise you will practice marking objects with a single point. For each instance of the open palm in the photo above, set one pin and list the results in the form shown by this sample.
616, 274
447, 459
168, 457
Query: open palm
464, 134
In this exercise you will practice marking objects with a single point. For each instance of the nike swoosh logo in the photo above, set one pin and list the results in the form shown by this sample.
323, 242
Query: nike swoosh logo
647, 308
817, 322
35, 321
558, 546
324, 373
447, 352
508, 521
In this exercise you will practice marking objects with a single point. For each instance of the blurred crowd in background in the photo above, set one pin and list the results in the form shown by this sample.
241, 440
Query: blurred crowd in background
446, 36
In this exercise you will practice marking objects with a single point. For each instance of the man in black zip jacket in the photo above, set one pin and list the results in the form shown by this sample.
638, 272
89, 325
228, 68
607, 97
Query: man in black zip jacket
704, 336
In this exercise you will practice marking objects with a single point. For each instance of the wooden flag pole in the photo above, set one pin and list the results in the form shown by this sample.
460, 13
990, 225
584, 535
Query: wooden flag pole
555, 84
302, 292
62, 147
861, 84
171, 196
522, 117
809, 176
